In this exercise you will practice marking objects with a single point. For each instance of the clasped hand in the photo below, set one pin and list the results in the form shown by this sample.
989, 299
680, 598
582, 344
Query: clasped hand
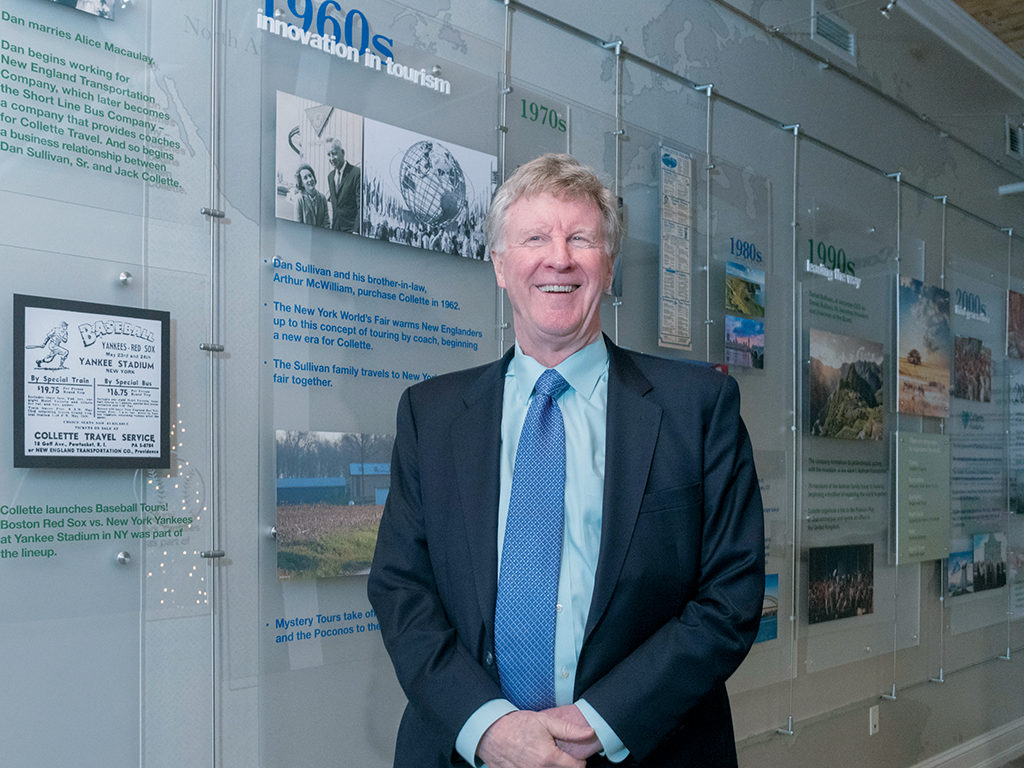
554, 738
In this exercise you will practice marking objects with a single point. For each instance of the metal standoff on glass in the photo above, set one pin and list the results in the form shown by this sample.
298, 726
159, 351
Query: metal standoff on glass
212, 553
124, 558
125, 278
273, 532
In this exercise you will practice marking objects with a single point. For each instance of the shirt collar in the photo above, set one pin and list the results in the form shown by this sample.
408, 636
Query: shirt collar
583, 370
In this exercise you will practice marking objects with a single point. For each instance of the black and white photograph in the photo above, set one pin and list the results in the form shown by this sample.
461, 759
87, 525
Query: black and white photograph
102, 8
318, 164
840, 582
426, 193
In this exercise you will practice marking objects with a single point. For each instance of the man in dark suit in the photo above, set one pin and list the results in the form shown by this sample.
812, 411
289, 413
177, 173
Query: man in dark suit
659, 550
344, 184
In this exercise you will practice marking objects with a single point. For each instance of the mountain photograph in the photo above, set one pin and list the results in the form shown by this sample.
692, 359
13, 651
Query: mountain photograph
846, 387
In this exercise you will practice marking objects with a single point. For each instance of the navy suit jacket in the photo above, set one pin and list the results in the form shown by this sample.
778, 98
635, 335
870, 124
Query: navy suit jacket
680, 575
344, 198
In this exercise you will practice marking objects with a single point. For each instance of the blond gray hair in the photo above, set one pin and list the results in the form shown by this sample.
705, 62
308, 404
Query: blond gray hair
562, 176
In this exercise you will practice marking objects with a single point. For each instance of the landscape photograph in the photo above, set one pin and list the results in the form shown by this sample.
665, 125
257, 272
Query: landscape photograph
925, 344
846, 387
744, 290
331, 488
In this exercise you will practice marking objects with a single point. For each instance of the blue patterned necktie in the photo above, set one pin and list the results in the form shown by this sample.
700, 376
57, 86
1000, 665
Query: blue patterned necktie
531, 554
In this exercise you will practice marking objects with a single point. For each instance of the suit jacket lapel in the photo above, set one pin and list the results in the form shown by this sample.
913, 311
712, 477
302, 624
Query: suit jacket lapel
630, 438
632, 432
476, 441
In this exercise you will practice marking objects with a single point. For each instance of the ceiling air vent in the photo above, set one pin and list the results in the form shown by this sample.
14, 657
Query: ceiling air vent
833, 34
1014, 138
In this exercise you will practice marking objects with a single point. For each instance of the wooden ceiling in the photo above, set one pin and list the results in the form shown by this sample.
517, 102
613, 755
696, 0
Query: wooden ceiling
1003, 18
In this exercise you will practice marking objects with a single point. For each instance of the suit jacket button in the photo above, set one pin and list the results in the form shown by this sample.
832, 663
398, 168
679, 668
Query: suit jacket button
489, 659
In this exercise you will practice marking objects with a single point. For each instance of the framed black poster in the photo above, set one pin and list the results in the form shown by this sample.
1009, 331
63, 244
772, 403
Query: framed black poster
91, 385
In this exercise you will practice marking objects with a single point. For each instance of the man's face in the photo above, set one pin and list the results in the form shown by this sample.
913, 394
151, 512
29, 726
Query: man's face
336, 156
555, 266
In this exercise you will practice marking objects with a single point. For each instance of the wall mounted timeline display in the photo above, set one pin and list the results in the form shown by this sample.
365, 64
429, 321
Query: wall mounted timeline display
740, 244
91, 385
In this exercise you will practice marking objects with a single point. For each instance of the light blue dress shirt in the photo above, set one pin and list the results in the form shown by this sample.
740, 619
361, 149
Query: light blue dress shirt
583, 408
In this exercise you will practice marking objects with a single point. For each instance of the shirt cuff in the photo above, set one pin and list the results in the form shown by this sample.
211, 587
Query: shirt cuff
614, 749
469, 737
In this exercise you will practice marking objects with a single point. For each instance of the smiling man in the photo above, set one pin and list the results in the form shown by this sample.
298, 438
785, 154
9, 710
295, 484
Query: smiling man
571, 559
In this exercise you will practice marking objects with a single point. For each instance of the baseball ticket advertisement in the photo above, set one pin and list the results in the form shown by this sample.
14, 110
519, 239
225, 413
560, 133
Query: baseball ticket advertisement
91, 384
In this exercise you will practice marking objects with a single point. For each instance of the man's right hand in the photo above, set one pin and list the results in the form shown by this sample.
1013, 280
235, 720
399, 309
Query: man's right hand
525, 739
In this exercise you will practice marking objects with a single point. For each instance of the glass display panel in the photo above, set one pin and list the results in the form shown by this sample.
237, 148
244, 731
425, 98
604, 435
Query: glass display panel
106, 164
180, 587
1015, 436
977, 573
101, 136
754, 193
845, 250
639, 280
664, 106
117, 552
537, 122
738, 290
372, 277
923, 247
662, 155
743, 297
592, 66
